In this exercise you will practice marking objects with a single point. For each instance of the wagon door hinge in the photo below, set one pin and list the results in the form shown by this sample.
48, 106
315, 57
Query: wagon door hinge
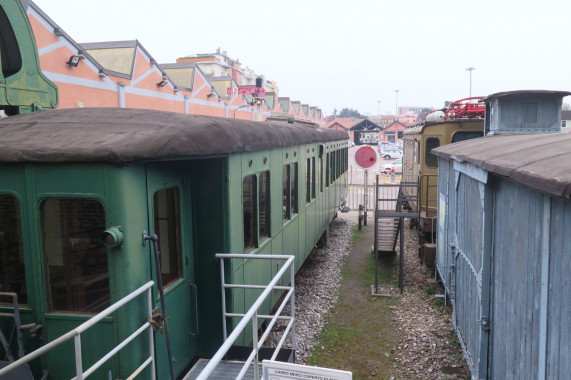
485, 323
157, 321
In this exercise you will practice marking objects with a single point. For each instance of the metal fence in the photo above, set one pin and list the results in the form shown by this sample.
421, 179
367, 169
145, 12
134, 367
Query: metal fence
356, 194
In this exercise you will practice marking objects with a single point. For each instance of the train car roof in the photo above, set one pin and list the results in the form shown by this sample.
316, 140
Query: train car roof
415, 129
120, 136
540, 161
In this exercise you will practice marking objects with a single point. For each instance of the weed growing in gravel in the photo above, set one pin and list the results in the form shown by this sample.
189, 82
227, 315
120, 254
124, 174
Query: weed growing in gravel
438, 302
454, 342
430, 290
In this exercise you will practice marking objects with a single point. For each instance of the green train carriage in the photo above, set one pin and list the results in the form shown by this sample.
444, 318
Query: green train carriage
204, 185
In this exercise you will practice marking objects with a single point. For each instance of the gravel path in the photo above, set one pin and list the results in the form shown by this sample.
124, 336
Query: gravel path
428, 348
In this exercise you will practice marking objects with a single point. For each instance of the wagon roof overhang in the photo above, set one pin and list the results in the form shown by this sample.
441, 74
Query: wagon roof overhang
526, 92
538, 161
120, 136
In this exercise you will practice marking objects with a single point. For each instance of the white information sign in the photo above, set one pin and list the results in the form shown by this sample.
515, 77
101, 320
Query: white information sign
282, 371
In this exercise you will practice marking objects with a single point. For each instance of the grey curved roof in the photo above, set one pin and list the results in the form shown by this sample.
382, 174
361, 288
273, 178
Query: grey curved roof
541, 161
120, 136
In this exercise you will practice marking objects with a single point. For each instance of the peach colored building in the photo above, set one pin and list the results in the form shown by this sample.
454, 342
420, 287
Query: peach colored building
393, 133
124, 74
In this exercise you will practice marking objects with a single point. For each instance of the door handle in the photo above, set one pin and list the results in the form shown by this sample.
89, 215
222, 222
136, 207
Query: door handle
193, 287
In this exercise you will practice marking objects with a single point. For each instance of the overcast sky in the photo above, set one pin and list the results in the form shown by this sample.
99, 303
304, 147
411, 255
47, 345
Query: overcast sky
337, 54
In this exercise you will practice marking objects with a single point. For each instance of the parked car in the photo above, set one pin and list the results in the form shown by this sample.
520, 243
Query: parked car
387, 154
387, 168
385, 144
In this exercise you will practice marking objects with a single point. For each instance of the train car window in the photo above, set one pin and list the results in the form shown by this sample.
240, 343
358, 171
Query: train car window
12, 271
308, 180
286, 193
332, 168
327, 169
249, 212
416, 152
313, 177
167, 228
264, 206
320, 163
293, 188
76, 259
430, 159
466, 135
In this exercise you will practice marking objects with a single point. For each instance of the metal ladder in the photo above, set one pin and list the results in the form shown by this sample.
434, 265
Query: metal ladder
390, 212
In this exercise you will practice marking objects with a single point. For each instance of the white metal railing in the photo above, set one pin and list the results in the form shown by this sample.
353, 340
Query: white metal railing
76, 335
252, 314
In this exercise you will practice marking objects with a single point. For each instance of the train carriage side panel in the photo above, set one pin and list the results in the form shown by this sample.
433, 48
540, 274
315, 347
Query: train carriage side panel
559, 306
211, 229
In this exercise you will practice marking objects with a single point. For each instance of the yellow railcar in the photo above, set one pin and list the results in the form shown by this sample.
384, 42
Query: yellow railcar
419, 164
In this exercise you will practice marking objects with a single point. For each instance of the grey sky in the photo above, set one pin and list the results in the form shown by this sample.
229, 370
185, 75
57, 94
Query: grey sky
336, 54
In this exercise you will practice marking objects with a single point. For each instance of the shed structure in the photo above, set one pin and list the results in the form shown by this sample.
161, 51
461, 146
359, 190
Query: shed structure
504, 212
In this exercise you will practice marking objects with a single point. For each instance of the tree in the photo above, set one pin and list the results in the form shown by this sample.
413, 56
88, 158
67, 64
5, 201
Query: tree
566, 107
349, 112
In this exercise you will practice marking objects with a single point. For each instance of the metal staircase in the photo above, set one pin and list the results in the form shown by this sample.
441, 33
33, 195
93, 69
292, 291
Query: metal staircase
391, 208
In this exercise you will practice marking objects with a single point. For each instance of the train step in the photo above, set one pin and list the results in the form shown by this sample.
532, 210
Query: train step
235, 359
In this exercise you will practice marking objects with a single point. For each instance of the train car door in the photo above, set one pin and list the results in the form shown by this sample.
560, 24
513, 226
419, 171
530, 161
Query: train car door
169, 209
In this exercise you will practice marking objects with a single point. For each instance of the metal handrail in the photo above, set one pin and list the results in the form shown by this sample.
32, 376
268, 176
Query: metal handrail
252, 314
76, 335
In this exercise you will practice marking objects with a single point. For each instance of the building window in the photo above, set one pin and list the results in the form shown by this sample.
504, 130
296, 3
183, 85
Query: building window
75, 257
249, 203
12, 271
430, 159
167, 228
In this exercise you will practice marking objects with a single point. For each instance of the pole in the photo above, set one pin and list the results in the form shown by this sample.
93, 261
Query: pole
365, 197
396, 105
470, 69
154, 238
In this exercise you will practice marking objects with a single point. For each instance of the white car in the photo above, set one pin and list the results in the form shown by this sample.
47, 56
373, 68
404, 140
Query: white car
386, 145
388, 154
387, 168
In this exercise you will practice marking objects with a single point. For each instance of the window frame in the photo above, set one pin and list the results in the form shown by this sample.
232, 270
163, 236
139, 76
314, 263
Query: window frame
50, 308
19, 231
429, 157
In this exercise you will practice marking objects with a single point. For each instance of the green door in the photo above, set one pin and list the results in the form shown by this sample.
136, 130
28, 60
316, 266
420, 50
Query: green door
169, 203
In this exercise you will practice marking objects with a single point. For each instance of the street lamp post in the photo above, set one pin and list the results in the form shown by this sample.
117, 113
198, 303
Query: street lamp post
396, 105
470, 69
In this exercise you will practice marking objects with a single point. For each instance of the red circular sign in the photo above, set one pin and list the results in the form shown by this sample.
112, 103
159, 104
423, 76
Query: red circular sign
365, 156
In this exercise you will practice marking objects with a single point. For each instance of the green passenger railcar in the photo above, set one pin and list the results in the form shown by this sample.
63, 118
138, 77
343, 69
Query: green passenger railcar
79, 187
